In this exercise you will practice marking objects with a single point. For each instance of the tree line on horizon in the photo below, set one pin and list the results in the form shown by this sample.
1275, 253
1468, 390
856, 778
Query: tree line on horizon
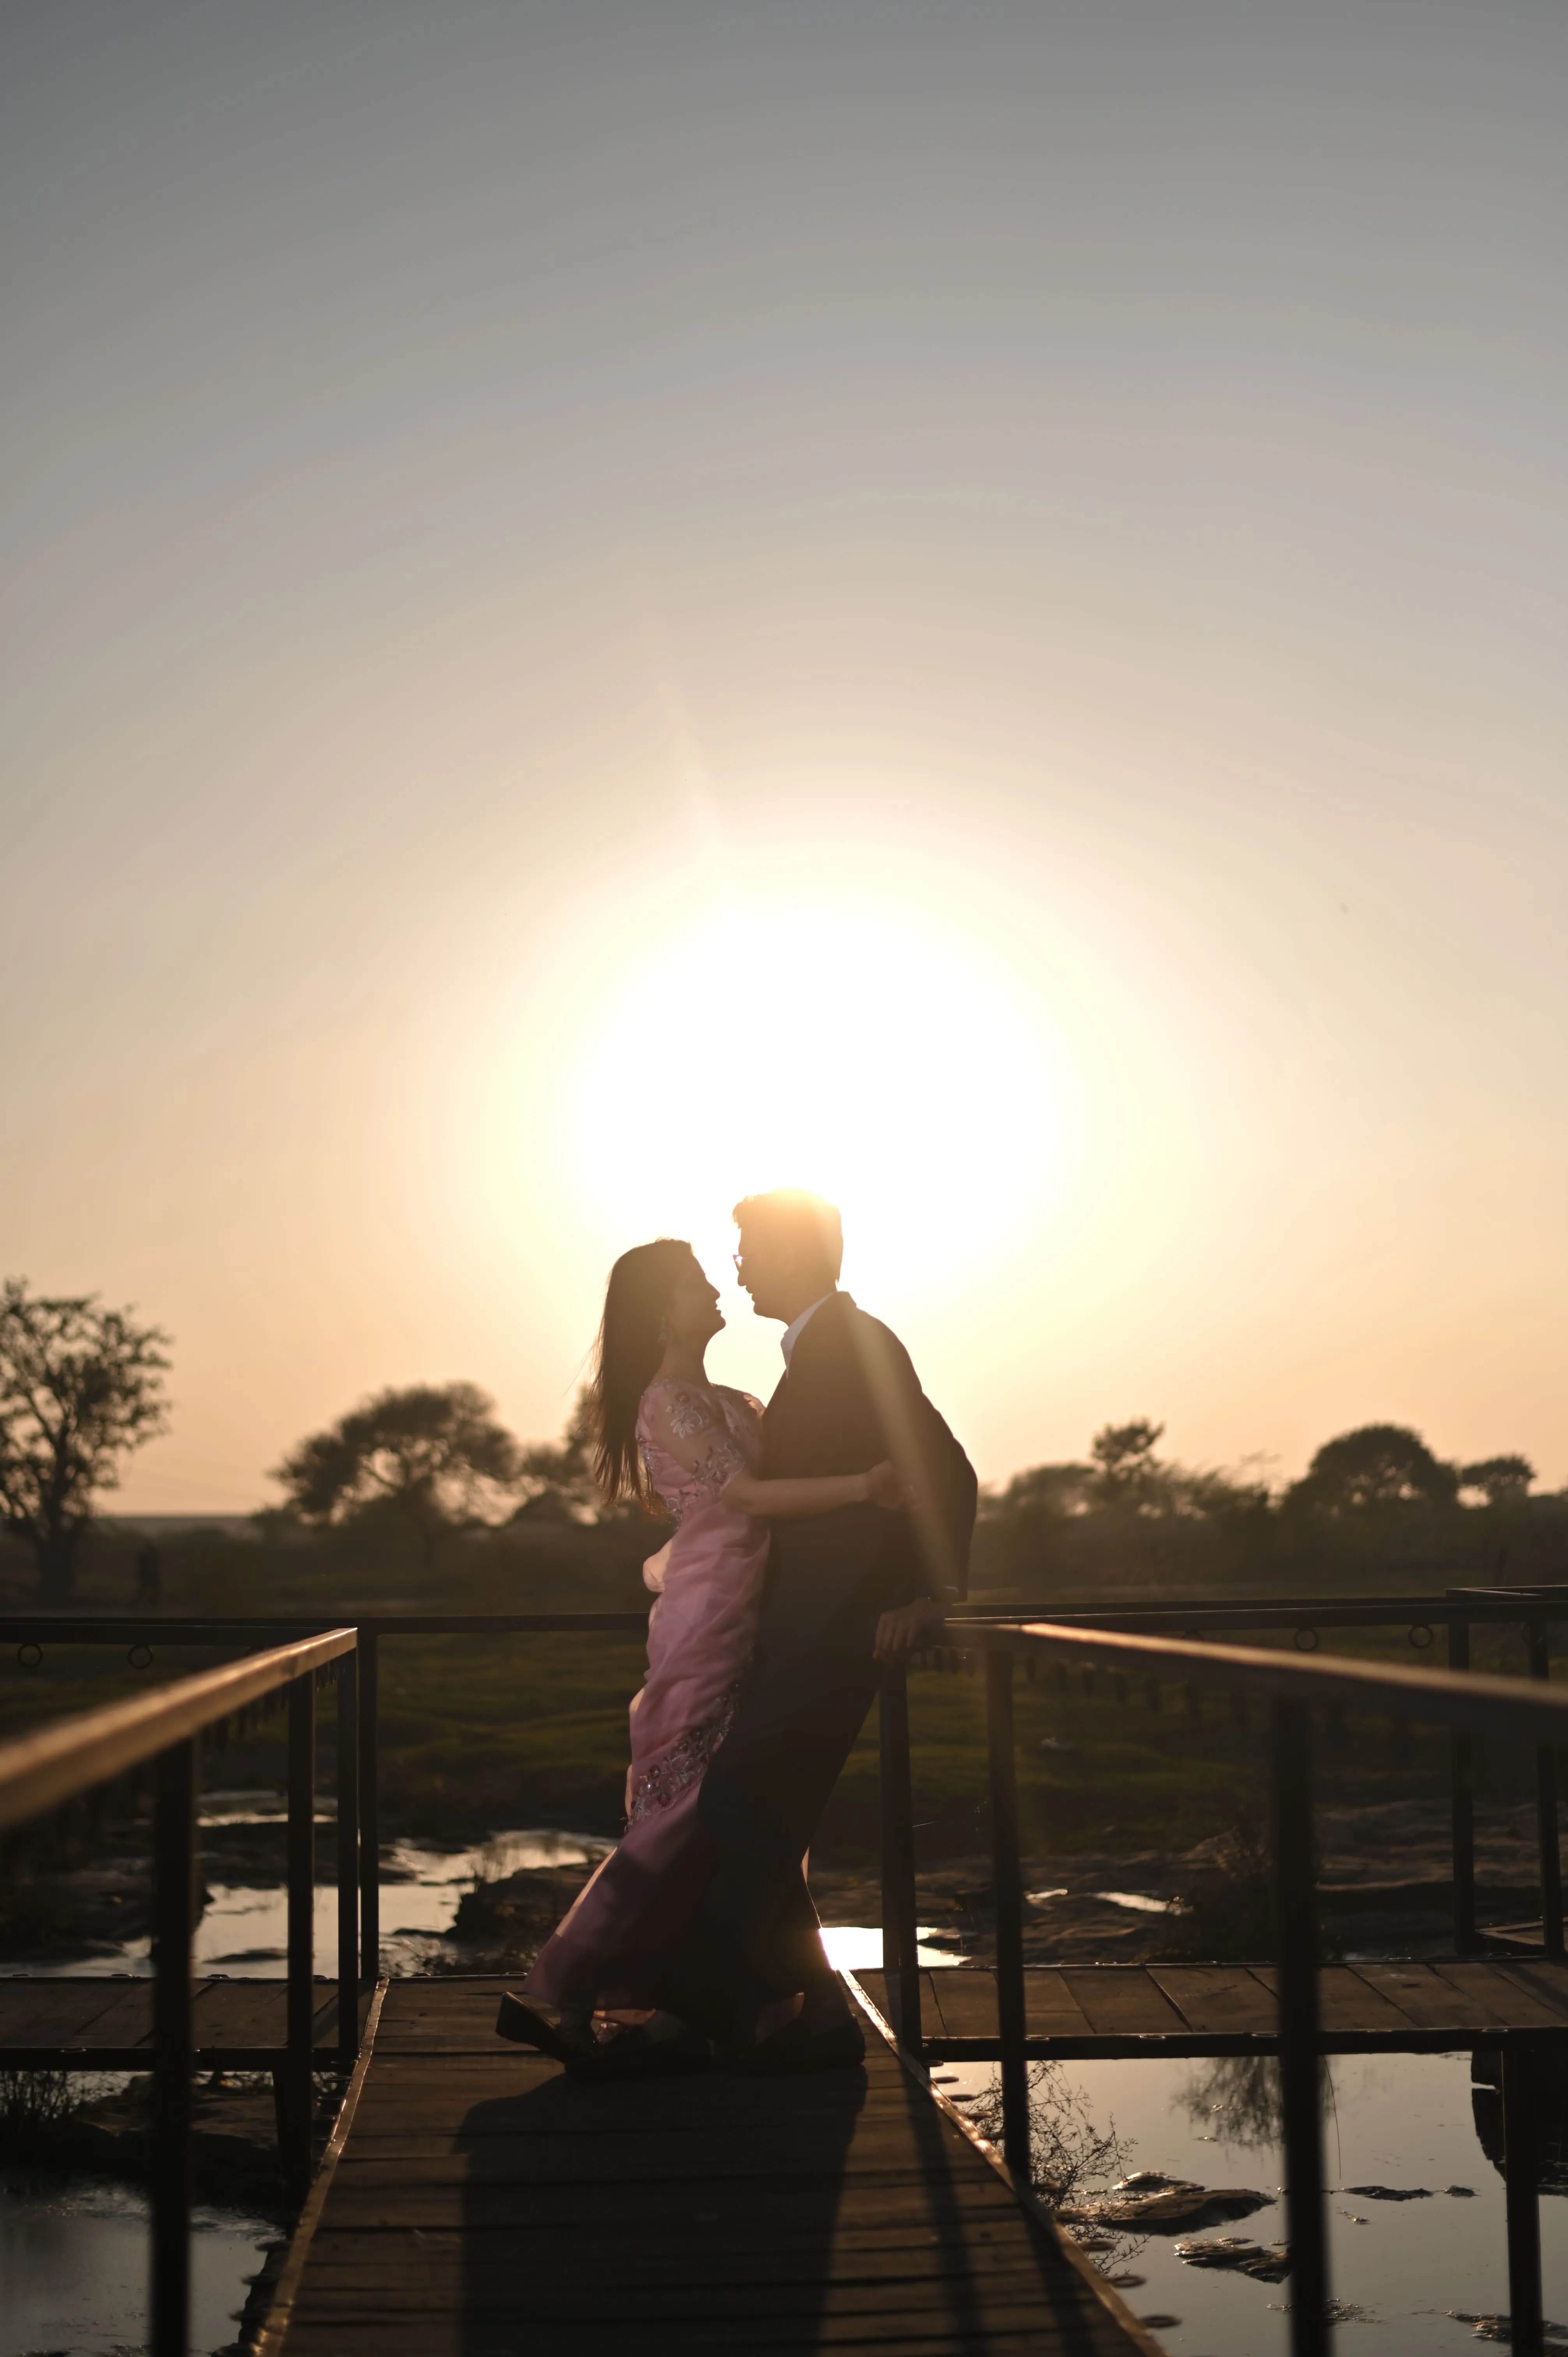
81, 1388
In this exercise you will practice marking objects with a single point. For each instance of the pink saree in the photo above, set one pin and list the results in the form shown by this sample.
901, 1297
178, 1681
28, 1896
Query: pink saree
617, 1943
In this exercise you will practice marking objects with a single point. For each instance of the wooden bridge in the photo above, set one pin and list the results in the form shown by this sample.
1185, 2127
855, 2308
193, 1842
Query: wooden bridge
475, 2202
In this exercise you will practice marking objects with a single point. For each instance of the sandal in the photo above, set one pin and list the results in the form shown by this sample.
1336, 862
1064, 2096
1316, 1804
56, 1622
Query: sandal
525, 2027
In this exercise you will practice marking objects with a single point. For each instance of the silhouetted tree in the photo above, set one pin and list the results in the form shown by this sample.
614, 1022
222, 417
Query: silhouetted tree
80, 1386
434, 1453
1126, 1506
1130, 1477
561, 1473
1129, 1470
1377, 1465
1503, 1481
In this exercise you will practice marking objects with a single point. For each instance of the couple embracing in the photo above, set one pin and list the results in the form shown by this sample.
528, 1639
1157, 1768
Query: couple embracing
814, 1540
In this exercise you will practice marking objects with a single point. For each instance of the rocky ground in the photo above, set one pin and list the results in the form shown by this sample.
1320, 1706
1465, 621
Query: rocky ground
1384, 1883
1383, 1874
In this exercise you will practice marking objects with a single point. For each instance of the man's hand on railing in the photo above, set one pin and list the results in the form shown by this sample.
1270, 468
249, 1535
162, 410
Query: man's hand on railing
903, 1630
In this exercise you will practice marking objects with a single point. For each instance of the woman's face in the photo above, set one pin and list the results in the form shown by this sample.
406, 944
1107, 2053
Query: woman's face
692, 1317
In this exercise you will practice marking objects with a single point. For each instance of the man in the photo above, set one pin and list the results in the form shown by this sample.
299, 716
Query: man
845, 1592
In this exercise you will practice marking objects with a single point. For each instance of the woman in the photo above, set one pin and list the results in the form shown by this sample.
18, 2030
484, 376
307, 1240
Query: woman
665, 1434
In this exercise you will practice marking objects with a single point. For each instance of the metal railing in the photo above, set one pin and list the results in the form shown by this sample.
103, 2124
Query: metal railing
1292, 1688
1460, 1613
43, 1771
141, 1634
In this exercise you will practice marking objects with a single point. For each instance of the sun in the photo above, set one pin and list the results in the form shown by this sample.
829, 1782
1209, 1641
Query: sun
812, 1043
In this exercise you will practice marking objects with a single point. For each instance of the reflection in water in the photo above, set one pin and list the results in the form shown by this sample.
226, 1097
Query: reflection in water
1069, 2154
1238, 2094
1407, 2270
243, 1927
73, 2259
1550, 2076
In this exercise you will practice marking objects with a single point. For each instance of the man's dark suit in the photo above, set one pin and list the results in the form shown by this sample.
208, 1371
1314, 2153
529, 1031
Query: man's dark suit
848, 1398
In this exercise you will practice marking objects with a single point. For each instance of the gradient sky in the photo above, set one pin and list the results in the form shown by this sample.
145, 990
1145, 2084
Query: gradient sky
613, 601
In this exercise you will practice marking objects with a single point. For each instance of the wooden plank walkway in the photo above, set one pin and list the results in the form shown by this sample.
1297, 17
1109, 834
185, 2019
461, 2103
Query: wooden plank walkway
1074, 2011
82, 2024
477, 2202
1078, 2011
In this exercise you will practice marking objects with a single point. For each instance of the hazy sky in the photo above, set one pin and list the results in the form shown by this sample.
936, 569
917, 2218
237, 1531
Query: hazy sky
611, 602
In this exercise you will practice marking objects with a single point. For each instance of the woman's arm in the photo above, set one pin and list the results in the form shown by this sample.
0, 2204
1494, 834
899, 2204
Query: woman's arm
790, 1501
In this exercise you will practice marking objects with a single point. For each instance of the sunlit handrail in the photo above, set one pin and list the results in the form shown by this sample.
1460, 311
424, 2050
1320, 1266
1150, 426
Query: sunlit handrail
54, 1764
1487, 1604
1511, 1708
40, 1770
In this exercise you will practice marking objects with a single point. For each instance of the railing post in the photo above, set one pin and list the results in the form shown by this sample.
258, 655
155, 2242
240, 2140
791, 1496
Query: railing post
1462, 1804
294, 2107
1521, 2062
900, 1948
347, 1860
174, 1908
369, 1812
1295, 1923
1546, 1809
1007, 1886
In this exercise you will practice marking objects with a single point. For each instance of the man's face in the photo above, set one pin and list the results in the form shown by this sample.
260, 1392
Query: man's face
766, 1271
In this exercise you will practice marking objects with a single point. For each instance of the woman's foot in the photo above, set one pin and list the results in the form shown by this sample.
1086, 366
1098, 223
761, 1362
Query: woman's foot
663, 2046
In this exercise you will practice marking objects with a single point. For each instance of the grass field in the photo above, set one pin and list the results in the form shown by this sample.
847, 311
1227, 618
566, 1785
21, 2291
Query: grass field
517, 1731
531, 1731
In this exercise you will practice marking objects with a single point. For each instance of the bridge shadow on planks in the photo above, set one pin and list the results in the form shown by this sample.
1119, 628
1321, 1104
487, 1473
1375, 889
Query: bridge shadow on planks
691, 2214
726, 2213
487, 2206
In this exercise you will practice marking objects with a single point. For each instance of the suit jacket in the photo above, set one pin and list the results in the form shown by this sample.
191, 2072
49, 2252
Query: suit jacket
848, 1398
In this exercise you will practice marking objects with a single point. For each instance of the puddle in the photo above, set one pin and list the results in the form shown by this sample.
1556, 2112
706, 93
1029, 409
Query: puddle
1138, 1902
243, 1929
857, 1947
1401, 2122
74, 2263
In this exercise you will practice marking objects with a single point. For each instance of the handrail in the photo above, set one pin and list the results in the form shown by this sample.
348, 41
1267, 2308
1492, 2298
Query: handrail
1489, 1603
1508, 1707
40, 1771
1293, 1687
53, 1765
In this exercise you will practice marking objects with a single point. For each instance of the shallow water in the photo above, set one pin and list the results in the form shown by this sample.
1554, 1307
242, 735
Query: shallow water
243, 1929
74, 2260
1400, 2120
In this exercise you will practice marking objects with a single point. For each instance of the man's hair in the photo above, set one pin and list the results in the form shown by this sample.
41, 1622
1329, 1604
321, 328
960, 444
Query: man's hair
804, 1224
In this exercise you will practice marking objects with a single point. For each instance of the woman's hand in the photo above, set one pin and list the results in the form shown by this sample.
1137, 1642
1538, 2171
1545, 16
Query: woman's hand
884, 1487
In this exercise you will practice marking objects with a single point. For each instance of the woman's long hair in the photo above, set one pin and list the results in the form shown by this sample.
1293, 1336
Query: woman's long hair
626, 1359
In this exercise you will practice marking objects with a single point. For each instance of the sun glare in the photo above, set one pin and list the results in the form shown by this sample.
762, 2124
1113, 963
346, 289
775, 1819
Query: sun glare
812, 1045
